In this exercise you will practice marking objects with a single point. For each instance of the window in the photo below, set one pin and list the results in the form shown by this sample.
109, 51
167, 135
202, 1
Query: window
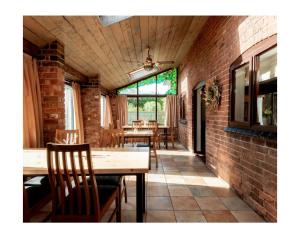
132, 109
266, 88
102, 109
69, 108
147, 97
254, 88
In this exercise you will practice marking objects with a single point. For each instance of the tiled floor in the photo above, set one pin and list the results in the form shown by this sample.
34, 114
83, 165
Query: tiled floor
182, 189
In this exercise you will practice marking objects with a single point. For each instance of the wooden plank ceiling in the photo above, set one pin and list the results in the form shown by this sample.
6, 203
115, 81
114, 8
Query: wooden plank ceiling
115, 50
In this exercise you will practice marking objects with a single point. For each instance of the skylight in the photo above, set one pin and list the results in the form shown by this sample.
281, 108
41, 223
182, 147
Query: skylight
109, 20
141, 73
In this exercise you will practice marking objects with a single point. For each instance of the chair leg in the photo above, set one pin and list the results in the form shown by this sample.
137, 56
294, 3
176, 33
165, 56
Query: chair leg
118, 205
155, 154
125, 189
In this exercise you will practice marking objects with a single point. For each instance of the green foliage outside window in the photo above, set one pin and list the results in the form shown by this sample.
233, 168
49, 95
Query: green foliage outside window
165, 84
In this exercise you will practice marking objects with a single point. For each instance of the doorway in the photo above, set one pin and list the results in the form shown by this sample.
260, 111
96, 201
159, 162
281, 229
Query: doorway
199, 119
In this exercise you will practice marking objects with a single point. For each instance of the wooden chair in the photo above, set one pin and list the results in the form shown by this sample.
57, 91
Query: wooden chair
76, 197
171, 137
67, 136
151, 124
155, 141
111, 139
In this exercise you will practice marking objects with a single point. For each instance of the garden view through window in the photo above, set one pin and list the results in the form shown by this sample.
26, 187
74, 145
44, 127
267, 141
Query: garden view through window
147, 98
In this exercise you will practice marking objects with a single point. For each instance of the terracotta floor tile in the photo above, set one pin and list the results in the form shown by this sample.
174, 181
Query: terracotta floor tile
246, 216
184, 203
235, 204
189, 216
159, 203
174, 179
128, 216
157, 190
131, 190
223, 192
160, 216
210, 203
176, 190
193, 180
202, 191
219, 216
130, 205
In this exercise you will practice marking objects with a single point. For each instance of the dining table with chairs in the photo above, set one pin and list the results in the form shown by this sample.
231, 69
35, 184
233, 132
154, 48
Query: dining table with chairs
105, 161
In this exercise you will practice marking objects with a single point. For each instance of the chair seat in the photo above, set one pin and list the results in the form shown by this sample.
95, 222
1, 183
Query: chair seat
112, 180
104, 193
37, 181
36, 193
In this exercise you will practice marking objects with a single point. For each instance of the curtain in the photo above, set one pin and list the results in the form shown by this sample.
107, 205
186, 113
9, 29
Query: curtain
78, 110
122, 109
171, 111
108, 113
32, 105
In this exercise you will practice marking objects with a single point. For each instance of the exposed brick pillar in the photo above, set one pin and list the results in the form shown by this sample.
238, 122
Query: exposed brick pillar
90, 101
51, 74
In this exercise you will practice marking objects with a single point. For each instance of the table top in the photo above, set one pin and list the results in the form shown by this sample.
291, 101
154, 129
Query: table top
138, 133
146, 127
127, 160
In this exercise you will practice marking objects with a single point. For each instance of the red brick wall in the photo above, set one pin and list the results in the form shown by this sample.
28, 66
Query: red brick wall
90, 101
51, 74
249, 164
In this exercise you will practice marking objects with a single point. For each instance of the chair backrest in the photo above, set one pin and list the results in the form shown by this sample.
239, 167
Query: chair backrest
72, 180
155, 130
152, 123
136, 123
63, 136
111, 137
119, 124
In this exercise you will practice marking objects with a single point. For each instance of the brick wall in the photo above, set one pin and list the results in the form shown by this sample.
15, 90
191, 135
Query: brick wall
90, 101
51, 74
249, 164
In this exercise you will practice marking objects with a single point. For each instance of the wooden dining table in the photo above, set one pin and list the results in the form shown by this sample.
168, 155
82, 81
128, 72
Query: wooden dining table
118, 161
165, 128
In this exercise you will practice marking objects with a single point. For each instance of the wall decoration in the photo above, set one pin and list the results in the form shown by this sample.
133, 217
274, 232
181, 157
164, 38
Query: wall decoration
212, 96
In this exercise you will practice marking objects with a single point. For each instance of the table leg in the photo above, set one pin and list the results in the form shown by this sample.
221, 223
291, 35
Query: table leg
139, 197
144, 194
149, 145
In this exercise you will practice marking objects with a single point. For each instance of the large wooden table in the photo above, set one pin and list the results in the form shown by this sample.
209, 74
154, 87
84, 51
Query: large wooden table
121, 161
145, 127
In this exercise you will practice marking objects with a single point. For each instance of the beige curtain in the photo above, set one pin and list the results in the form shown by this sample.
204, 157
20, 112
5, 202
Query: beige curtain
108, 113
122, 109
78, 111
171, 111
32, 105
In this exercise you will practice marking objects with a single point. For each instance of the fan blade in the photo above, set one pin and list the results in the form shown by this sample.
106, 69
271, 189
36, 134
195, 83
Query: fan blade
165, 62
139, 62
135, 70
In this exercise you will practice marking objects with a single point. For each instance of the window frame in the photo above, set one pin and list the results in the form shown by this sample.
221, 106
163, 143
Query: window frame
251, 56
104, 111
156, 96
72, 110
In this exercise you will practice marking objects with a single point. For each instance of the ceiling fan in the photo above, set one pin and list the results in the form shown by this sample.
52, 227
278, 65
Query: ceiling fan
149, 65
